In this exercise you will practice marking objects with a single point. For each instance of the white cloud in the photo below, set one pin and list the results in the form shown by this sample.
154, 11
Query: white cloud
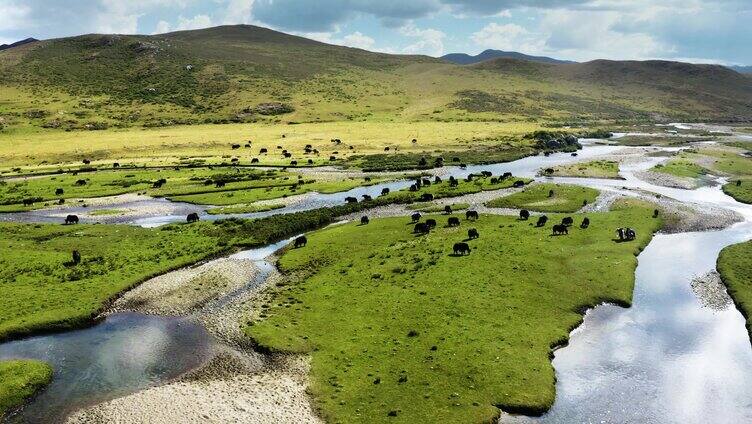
13, 16
509, 37
238, 12
429, 41
357, 39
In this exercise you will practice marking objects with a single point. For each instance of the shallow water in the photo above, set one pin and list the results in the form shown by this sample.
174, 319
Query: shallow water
666, 359
124, 353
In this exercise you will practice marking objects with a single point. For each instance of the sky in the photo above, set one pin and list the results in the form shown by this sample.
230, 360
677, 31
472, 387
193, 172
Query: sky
700, 31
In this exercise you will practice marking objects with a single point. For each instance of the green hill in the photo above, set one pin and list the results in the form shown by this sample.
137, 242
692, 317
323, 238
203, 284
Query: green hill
223, 74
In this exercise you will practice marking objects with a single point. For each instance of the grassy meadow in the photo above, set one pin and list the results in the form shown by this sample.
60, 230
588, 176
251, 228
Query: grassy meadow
591, 169
401, 330
19, 380
735, 266
539, 197
742, 191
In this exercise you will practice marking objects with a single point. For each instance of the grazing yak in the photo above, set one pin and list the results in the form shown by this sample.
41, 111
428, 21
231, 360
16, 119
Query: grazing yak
159, 183
560, 229
473, 215
332, 158
550, 193
301, 241
524, 214
626, 233
76, 257
453, 182
367, 198
71, 220
437, 180
254, 160
310, 161
59, 191
116, 165
655, 213
453, 221
350, 199
506, 175
293, 163
413, 187
192, 217
472, 234
541, 221
469, 178
235, 146
28, 202
426, 182
385, 191
518, 184
431, 223
738, 183
421, 228
219, 184
80, 182
574, 154
426, 197
448, 210
363, 220
567, 220
263, 151
585, 223
461, 249
415, 217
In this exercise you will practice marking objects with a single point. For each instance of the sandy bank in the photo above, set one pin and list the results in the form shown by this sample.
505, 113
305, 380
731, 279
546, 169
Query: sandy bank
232, 388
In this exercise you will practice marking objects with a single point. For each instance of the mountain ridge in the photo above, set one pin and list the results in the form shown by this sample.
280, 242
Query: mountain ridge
489, 54
222, 74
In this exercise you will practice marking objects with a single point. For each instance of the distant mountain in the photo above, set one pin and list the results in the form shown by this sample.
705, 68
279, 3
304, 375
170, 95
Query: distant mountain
466, 59
17, 43
742, 69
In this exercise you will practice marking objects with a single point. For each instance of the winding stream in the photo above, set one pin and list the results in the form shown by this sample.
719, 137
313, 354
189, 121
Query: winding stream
665, 359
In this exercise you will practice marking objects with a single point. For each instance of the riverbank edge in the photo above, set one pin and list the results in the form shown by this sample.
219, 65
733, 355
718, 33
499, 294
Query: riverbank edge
38, 387
732, 291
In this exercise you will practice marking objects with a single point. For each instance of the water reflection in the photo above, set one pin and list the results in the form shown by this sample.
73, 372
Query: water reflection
125, 353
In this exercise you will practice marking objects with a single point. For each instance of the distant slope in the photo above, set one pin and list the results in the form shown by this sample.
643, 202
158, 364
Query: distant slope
466, 59
17, 43
742, 69
222, 74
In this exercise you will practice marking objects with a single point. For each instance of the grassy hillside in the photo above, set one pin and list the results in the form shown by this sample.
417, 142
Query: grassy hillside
222, 74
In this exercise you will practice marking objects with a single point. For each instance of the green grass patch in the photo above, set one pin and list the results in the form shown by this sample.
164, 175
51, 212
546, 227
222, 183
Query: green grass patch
735, 266
20, 380
397, 326
684, 168
538, 197
592, 169
739, 189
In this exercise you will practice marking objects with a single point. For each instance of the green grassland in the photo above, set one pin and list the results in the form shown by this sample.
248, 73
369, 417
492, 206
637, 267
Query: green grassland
742, 192
682, 167
40, 291
187, 184
591, 169
19, 380
400, 330
735, 266
50, 150
566, 198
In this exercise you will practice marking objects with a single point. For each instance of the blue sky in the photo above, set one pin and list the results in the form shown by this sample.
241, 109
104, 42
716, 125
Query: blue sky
689, 30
